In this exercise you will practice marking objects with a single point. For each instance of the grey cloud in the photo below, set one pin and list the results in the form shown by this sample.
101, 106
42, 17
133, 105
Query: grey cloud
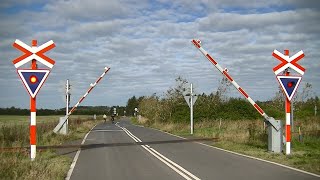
87, 9
149, 47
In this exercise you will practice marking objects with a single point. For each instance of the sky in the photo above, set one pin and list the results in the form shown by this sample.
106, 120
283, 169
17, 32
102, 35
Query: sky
147, 45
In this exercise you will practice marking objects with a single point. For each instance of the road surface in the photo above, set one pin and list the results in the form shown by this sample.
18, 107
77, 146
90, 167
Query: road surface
123, 151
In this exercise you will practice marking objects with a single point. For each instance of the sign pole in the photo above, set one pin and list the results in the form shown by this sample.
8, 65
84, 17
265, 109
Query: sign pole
33, 115
288, 119
33, 78
288, 114
291, 116
191, 109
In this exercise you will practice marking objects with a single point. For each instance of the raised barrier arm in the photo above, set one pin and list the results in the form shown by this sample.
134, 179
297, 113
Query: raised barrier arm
59, 126
197, 44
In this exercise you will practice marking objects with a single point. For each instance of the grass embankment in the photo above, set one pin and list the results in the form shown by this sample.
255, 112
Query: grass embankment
47, 165
250, 138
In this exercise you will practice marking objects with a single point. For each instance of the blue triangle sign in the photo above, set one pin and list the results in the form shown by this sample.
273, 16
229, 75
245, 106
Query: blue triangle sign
33, 79
289, 85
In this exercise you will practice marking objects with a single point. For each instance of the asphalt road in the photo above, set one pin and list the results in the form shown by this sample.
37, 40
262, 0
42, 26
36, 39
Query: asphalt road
123, 151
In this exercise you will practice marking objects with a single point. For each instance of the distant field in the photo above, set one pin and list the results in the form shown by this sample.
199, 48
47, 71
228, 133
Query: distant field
10, 119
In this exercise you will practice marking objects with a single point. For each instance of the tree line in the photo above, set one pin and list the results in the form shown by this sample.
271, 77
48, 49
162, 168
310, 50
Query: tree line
172, 107
81, 110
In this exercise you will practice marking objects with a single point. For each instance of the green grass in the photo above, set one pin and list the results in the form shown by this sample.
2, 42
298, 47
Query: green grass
11, 119
48, 164
248, 137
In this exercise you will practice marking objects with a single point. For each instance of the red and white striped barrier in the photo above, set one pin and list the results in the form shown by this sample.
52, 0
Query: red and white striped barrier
89, 90
59, 126
196, 43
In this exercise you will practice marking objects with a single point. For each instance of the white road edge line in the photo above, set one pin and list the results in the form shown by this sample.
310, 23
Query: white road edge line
73, 164
174, 166
251, 157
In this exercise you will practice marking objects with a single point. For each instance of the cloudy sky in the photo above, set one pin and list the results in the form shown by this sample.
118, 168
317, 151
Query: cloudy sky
147, 45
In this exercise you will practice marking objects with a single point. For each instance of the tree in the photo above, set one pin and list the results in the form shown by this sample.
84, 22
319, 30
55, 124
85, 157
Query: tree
223, 89
131, 104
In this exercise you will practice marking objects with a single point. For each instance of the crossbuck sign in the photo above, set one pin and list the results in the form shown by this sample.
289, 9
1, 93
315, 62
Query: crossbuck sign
287, 62
33, 52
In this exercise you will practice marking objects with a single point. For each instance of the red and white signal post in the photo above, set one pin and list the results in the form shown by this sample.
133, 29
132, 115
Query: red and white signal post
289, 84
33, 78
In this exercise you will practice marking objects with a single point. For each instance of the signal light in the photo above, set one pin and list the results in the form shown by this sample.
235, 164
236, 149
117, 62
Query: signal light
290, 84
33, 79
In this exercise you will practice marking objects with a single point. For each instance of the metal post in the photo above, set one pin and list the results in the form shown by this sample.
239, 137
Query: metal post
67, 96
191, 109
291, 116
33, 115
288, 127
67, 105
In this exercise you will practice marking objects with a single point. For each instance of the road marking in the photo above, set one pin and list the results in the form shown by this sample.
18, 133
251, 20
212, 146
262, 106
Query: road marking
106, 130
169, 165
181, 168
251, 157
174, 166
73, 164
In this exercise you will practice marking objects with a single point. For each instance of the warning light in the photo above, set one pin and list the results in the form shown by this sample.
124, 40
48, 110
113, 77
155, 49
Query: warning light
33, 79
290, 84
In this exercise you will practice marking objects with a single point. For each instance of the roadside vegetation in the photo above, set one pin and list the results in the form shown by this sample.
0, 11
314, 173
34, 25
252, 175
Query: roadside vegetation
236, 123
16, 164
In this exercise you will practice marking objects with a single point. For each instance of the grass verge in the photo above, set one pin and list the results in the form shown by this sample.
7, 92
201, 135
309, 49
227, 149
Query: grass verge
48, 164
250, 138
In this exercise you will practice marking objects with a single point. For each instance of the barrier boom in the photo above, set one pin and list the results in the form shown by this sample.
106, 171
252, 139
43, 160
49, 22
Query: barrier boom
59, 126
197, 44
